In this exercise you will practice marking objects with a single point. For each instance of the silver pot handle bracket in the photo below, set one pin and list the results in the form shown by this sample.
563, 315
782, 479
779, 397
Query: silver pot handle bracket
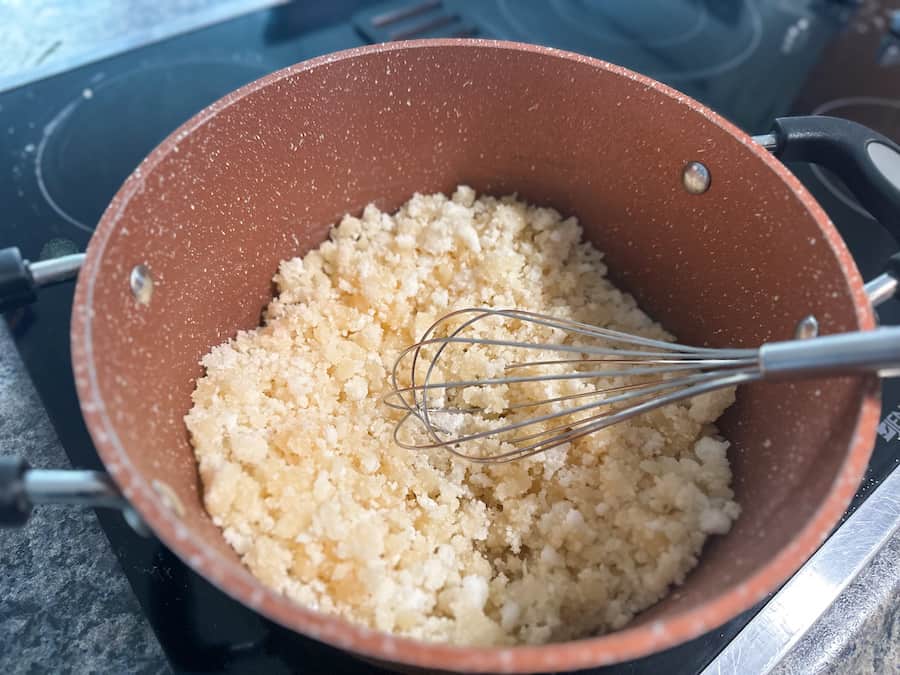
884, 286
21, 279
22, 488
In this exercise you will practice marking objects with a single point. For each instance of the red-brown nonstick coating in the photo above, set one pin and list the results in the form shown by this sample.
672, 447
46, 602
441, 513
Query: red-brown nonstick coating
262, 174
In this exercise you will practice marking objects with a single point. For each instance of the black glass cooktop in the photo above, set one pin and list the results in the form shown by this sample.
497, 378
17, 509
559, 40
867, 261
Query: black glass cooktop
67, 143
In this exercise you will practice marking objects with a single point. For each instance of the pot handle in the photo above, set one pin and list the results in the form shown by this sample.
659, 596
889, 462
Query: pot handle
867, 162
21, 487
887, 284
20, 279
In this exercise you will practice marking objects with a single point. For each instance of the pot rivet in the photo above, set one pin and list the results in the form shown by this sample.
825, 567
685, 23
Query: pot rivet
168, 497
141, 284
696, 178
807, 327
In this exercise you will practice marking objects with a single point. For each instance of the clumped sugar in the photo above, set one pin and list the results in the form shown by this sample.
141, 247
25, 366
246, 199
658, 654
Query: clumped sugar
300, 471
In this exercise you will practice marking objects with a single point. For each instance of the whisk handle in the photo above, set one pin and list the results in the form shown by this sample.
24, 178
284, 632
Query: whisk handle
875, 350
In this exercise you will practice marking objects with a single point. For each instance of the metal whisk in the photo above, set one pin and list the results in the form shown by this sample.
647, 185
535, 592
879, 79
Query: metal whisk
605, 377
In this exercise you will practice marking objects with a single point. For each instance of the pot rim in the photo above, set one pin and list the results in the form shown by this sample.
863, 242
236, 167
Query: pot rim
232, 578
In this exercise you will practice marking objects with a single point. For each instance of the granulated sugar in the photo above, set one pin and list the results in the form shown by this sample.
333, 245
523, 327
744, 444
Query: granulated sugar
300, 471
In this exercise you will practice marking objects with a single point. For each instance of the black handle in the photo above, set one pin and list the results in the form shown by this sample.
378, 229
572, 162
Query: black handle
867, 162
17, 287
15, 507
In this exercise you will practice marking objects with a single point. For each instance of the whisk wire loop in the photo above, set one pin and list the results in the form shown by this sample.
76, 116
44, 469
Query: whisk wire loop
655, 373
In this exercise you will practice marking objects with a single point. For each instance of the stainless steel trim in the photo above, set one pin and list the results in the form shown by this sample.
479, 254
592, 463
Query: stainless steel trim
77, 488
868, 350
881, 288
887, 161
80, 488
768, 141
54, 270
793, 610
217, 13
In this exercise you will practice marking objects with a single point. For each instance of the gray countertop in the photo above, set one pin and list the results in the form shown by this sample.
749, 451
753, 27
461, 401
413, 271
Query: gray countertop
64, 604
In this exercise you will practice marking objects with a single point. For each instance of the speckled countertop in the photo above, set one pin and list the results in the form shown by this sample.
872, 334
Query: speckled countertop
64, 604
63, 598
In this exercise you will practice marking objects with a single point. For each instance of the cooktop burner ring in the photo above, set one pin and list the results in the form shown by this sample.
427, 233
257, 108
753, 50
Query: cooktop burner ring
832, 108
49, 130
574, 15
130, 113
693, 24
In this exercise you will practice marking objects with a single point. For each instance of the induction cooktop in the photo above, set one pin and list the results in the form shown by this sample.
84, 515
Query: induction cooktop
69, 140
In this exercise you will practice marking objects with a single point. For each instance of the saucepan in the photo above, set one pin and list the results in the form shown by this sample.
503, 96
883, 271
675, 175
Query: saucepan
701, 222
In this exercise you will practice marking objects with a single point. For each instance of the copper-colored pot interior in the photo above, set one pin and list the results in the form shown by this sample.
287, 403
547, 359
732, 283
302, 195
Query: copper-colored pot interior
213, 211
